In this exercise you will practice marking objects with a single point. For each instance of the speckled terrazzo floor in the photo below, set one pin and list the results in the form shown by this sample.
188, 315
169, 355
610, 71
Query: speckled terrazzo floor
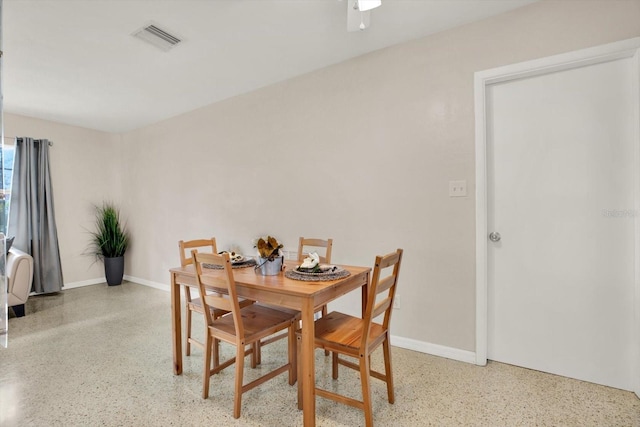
101, 356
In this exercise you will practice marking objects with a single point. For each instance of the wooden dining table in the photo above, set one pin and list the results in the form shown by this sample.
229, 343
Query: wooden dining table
280, 291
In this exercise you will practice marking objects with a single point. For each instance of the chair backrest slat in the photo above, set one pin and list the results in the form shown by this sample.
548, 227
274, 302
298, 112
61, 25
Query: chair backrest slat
390, 259
375, 308
219, 301
381, 307
214, 282
386, 283
315, 243
200, 244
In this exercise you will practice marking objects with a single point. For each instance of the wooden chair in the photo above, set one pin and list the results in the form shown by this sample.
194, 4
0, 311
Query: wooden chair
306, 243
195, 304
302, 254
358, 338
242, 327
315, 243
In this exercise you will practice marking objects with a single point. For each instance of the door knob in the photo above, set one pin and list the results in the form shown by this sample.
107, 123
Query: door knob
494, 236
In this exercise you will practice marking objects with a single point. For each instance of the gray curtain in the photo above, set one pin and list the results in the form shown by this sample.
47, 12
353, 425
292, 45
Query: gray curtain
31, 217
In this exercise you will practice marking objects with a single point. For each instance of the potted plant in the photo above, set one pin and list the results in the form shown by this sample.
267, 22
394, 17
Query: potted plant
109, 242
270, 259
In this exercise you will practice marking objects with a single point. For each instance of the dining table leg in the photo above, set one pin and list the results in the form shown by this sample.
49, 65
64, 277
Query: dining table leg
176, 323
308, 365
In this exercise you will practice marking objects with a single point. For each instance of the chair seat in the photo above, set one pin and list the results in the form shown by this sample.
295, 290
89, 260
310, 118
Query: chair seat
339, 329
258, 321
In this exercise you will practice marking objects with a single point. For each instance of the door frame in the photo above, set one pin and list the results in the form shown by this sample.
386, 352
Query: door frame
609, 52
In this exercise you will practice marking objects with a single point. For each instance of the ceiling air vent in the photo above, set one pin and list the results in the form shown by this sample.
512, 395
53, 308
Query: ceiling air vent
157, 36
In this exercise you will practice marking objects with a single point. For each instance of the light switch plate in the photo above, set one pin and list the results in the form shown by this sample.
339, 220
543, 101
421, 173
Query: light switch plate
458, 188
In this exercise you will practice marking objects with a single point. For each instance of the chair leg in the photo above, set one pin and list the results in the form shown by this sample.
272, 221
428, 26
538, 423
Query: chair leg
237, 400
298, 345
324, 314
18, 310
187, 333
216, 347
293, 357
187, 326
334, 366
206, 374
257, 350
216, 352
254, 355
388, 372
366, 391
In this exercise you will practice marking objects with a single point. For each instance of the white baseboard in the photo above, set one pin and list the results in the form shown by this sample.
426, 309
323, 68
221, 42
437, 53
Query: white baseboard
103, 280
84, 283
156, 285
434, 349
408, 343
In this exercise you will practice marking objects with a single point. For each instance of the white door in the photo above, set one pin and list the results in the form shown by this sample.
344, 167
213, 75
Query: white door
561, 171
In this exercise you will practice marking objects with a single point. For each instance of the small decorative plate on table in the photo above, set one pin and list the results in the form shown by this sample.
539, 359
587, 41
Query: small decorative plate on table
323, 274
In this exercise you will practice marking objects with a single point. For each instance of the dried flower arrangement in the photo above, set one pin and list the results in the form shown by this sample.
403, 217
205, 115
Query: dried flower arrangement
268, 247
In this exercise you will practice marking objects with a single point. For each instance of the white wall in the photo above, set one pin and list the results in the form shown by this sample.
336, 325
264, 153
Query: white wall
361, 152
82, 173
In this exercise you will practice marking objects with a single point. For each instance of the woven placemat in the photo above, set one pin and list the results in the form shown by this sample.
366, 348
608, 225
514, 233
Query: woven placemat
338, 273
244, 264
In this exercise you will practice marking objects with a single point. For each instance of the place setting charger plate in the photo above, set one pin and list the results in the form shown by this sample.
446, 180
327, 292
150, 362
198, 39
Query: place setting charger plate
327, 273
239, 262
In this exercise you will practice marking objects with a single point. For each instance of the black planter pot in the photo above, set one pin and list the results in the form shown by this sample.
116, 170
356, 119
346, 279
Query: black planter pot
114, 270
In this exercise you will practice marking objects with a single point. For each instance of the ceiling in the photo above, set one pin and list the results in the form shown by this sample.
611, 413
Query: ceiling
75, 61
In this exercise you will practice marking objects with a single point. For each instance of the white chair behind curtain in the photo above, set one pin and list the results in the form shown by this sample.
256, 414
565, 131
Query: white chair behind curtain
31, 215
